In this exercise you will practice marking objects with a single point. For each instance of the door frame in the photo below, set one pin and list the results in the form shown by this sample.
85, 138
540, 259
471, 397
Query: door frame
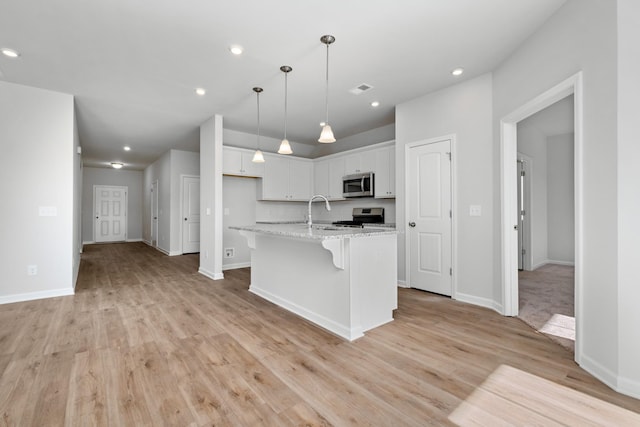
155, 198
182, 177
528, 200
508, 194
126, 208
454, 209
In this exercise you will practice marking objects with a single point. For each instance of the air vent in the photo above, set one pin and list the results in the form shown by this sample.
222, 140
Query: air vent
361, 88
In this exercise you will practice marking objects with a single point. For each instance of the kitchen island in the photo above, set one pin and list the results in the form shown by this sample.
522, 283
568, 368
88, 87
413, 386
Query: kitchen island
342, 279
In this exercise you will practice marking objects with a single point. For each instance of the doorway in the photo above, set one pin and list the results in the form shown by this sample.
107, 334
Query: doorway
110, 213
190, 214
430, 215
154, 214
508, 151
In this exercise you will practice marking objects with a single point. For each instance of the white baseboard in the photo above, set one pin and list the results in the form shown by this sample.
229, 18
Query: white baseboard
551, 261
174, 253
402, 284
480, 301
629, 387
617, 383
30, 296
133, 240
147, 242
89, 242
328, 324
210, 275
236, 265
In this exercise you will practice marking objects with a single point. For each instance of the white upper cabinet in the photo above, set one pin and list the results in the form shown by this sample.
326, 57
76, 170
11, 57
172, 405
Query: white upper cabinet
385, 173
286, 178
364, 161
328, 178
237, 161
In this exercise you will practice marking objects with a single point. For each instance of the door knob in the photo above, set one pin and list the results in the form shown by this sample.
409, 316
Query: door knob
185, 219
412, 224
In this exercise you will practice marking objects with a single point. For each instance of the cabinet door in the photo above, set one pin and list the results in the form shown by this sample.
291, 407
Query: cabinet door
275, 184
336, 172
231, 161
368, 161
250, 168
385, 173
321, 178
300, 179
351, 164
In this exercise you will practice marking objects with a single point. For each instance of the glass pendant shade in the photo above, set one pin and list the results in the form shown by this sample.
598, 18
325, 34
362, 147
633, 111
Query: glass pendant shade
258, 157
285, 148
326, 136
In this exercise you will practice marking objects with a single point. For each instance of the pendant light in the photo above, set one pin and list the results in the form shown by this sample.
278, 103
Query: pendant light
285, 147
326, 136
257, 156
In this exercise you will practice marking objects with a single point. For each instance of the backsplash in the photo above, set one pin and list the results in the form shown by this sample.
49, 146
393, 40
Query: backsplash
340, 210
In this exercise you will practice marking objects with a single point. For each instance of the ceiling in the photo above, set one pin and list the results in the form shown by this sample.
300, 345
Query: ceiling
133, 66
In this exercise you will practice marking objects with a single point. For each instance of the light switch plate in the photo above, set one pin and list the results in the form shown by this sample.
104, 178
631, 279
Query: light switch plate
475, 210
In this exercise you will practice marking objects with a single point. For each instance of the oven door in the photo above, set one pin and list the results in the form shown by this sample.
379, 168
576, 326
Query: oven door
358, 185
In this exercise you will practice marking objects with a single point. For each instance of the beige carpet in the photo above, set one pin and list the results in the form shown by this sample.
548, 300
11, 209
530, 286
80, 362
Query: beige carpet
546, 302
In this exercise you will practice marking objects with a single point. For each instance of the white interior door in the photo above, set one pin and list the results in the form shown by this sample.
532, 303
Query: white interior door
190, 214
429, 217
154, 214
110, 213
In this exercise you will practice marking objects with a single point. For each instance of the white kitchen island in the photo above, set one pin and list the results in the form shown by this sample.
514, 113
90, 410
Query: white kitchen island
342, 279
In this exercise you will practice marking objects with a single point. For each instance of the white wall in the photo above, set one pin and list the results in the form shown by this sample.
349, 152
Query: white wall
580, 36
628, 196
560, 199
77, 201
124, 178
465, 111
38, 143
238, 199
159, 171
373, 136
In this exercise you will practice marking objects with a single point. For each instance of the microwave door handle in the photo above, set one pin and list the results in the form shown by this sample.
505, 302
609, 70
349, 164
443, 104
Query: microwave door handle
362, 184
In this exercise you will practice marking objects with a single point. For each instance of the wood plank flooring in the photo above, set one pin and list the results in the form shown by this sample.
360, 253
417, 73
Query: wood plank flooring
147, 341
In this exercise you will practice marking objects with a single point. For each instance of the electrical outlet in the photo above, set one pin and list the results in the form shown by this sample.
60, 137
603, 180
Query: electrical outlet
32, 270
229, 252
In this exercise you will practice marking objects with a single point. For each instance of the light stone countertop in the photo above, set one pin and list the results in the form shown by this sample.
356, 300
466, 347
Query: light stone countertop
317, 232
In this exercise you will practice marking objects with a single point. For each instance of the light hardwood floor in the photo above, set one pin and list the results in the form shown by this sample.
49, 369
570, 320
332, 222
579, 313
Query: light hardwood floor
146, 340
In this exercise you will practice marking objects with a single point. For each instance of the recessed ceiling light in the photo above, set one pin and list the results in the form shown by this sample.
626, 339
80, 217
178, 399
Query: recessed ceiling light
9, 52
126, 148
375, 104
116, 165
235, 49
200, 91
457, 71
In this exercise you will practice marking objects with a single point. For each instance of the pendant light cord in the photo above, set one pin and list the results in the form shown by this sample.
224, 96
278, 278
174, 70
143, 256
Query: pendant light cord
258, 104
286, 74
327, 88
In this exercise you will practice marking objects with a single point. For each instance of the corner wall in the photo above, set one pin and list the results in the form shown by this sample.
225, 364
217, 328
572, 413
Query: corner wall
37, 140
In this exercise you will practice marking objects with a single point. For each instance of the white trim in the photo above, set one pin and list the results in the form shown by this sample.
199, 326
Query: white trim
529, 208
628, 387
146, 242
236, 265
90, 242
479, 301
210, 275
454, 223
402, 284
30, 296
551, 261
599, 371
134, 240
508, 194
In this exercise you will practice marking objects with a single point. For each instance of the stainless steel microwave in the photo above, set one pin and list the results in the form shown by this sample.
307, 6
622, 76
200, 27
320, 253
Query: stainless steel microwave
358, 185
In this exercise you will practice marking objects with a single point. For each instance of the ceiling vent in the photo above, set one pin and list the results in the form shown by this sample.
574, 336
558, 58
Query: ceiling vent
361, 88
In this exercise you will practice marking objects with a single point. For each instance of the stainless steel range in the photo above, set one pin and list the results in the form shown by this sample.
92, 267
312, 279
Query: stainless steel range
363, 216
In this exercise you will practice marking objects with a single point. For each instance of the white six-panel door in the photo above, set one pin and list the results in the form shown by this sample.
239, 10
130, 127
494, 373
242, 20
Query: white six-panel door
190, 214
110, 213
429, 217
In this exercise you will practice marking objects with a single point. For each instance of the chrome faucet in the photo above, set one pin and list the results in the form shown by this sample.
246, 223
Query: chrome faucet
317, 196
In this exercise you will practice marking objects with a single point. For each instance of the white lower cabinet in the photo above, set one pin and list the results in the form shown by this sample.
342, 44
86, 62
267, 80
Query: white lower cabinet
286, 178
